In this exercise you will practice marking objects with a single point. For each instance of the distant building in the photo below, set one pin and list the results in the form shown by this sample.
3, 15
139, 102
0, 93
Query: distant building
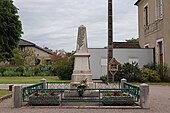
154, 28
126, 45
124, 52
42, 55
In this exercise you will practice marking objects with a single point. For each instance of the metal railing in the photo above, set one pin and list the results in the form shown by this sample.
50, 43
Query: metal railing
29, 90
153, 27
36, 94
134, 90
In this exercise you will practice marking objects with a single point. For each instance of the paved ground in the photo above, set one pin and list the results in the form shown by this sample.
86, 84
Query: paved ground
159, 103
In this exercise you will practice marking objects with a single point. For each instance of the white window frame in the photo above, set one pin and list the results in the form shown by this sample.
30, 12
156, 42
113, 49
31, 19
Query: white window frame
144, 18
146, 45
103, 62
159, 9
157, 50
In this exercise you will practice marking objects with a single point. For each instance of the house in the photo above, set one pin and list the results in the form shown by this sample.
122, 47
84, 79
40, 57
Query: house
154, 29
123, 52
42, 55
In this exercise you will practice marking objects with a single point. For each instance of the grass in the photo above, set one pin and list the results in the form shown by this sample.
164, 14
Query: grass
27, 80
4, 92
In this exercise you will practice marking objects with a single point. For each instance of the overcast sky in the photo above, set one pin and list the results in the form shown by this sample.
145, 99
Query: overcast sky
54, 23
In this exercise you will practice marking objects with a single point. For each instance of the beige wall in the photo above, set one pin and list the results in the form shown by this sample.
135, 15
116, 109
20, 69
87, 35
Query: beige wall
40, 54
163, 31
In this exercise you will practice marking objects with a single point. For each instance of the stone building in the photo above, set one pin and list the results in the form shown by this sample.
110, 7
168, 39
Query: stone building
154, 29
42, 55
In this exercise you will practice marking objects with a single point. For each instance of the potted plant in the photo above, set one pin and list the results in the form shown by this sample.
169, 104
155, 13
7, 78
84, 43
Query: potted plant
81, 87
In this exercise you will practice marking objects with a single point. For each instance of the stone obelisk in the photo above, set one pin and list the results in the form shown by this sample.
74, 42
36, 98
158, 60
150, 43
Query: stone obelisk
81, 63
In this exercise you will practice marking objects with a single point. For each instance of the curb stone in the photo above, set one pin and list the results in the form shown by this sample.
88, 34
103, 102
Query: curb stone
5, 97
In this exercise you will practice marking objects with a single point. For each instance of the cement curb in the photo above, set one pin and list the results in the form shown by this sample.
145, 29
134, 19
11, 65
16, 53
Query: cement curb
83, 107
5, 97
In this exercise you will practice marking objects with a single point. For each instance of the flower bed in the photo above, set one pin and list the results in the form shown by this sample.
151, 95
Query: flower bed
117, 98
44, 98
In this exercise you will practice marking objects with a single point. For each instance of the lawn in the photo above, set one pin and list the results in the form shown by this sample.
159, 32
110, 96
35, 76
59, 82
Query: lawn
4, 92
27, 80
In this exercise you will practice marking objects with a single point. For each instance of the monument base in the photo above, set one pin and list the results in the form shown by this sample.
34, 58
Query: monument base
79, 75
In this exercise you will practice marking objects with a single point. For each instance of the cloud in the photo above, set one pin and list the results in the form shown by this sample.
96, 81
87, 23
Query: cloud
54, 23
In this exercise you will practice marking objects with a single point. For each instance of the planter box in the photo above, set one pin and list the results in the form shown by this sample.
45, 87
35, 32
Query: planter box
118, 100
44, 100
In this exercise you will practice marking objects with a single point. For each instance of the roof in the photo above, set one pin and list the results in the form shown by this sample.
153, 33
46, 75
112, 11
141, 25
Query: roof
126, 45
137, 2
23, 42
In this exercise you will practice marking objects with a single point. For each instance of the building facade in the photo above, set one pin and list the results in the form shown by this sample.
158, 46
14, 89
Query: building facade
98, 58
154, 28
42, 55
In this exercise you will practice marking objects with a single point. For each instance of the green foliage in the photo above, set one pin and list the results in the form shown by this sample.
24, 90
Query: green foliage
149, 76
160, 69
23, 58
133, 40
20, 69
12, 73
103, 78
3, 69
162, 72
152, 66
129, 71
28, 73
44, 73
10, 29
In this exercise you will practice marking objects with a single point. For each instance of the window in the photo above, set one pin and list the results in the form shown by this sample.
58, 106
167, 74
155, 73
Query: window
146, 15
113, 67
146, 46
160, 51
159, 9
103, 62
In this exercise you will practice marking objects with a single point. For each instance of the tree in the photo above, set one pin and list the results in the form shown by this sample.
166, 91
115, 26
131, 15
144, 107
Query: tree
10, 29
58, 56
23, 58
133, 40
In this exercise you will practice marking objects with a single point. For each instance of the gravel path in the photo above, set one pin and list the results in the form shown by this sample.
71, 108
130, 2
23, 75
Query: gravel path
159, 103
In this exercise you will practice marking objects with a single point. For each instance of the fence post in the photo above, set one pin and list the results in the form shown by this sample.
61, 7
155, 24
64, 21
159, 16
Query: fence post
17, 97
44, 83
144, 96
122, 82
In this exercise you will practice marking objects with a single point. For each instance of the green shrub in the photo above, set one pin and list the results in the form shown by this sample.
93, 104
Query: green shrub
20, 69
129, 71
12, 73
44, 73
28, 73
63, 69
162, 72
36, 70
3, 69
151, 66
103, 78
149, 76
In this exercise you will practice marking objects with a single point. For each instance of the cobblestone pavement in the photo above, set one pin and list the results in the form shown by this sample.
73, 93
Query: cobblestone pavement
159, 103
